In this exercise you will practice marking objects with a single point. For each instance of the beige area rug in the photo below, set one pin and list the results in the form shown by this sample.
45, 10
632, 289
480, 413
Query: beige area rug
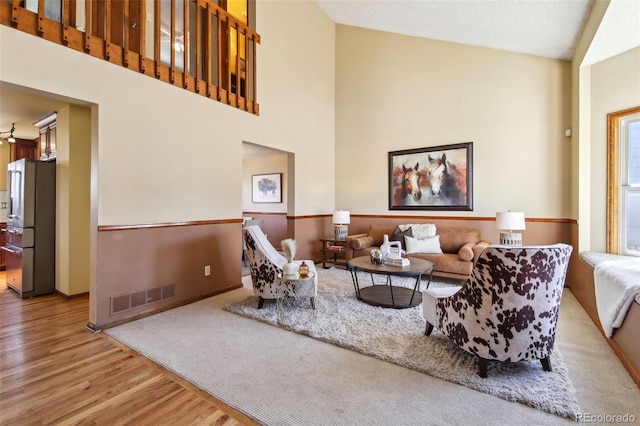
397, 336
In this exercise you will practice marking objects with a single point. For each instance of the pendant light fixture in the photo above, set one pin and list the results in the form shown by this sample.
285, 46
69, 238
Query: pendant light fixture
10, 139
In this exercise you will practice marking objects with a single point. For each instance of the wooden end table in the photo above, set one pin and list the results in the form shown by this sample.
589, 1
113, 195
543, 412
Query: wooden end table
333, 252
389, 295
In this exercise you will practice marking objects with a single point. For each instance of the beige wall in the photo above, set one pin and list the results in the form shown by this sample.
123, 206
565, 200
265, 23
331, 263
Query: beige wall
175, 159
164, 155
274, 215
580, 118
397, 92
73, 199
264, 165
615, 86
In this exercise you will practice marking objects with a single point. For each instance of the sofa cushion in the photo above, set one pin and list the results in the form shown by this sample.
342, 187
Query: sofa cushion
447, 263
427, 245
452, 239
362, 242
377, 232
399, 235
420, 230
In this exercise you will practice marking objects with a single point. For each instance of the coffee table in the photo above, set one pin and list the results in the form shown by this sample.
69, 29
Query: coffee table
389, 295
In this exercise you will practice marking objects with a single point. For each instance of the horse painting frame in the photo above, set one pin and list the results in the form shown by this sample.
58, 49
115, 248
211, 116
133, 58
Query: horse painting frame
266, 188
432, 178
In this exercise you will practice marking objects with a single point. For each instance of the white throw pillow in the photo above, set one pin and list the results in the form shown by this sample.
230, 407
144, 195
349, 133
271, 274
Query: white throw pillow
426, 245
420, 231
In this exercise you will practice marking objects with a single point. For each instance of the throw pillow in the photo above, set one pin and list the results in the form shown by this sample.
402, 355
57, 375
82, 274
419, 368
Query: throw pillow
362, 242
427, 245
420, 230
399, 235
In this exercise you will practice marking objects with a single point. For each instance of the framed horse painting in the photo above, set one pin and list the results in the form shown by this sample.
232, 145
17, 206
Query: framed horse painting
433, 178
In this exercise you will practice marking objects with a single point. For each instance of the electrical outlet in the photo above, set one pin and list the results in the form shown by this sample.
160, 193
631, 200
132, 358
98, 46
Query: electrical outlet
207, 270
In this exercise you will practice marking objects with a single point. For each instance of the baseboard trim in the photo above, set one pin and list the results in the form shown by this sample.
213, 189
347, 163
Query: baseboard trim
71, 296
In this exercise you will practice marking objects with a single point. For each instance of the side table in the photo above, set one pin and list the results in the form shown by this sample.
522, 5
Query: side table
295, 288
333, 252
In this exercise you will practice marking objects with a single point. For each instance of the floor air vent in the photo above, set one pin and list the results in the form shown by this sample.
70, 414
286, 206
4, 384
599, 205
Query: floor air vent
141, 298
168, 291
138, 299
120, 303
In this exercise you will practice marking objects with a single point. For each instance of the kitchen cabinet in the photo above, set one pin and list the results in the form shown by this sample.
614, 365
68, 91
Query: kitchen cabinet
48, 137
23, 148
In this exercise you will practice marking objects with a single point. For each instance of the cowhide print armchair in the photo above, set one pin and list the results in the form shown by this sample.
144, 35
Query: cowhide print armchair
266, 263
508, 308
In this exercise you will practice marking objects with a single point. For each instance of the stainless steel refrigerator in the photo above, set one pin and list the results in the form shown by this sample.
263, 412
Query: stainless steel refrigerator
31, 227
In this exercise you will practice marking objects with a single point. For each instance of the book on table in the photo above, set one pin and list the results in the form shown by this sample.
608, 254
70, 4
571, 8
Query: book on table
397, 261
334, 248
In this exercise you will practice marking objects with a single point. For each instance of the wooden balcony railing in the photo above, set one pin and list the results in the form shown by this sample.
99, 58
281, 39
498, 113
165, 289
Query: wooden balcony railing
193, 44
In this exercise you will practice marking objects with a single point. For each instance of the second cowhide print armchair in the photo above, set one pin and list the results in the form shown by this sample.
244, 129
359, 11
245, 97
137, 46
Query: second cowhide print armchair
508, 309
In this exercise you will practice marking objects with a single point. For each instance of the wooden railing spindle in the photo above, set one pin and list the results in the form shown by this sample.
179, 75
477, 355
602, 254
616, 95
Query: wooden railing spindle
142, 36
107, 33
65, 21
157, 36
125, 36
15, 9
220, 59
40, 17
198, 53
185, 43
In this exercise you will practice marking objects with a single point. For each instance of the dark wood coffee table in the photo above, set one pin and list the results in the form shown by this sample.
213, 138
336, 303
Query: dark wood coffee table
389, 295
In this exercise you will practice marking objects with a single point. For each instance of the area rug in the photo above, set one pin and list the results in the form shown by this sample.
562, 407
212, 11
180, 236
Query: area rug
397, 336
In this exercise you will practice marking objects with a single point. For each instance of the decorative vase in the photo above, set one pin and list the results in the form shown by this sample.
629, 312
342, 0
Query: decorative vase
290, 270
303, 270
384, 248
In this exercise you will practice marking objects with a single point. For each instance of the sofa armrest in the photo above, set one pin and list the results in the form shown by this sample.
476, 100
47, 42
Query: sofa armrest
466, 252
348, 246
478, 248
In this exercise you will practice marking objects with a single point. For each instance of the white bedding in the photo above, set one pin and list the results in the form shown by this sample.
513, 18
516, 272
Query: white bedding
617, 285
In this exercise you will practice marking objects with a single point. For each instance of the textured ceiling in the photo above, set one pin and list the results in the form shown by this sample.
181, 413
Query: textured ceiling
547, 28
618, 32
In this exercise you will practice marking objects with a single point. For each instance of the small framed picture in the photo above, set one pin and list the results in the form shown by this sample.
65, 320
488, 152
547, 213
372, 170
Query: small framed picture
266, 188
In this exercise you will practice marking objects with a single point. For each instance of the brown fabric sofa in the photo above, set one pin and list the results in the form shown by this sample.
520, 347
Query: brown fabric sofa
461, 247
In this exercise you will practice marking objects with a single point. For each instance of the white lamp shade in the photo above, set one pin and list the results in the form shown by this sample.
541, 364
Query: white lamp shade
341, 217
510, 221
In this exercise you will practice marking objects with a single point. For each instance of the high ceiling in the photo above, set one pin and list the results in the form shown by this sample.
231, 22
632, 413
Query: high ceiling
547, 28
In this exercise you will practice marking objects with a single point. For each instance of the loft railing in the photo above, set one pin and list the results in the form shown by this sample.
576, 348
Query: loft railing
193, 44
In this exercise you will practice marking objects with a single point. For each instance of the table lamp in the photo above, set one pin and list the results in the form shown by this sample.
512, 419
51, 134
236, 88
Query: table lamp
510, 221
341, 219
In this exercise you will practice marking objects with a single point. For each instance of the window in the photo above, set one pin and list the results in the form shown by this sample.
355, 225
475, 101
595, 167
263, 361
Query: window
623, 213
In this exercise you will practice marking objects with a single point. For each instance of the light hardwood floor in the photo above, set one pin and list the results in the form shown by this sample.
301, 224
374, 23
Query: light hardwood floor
53, 371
